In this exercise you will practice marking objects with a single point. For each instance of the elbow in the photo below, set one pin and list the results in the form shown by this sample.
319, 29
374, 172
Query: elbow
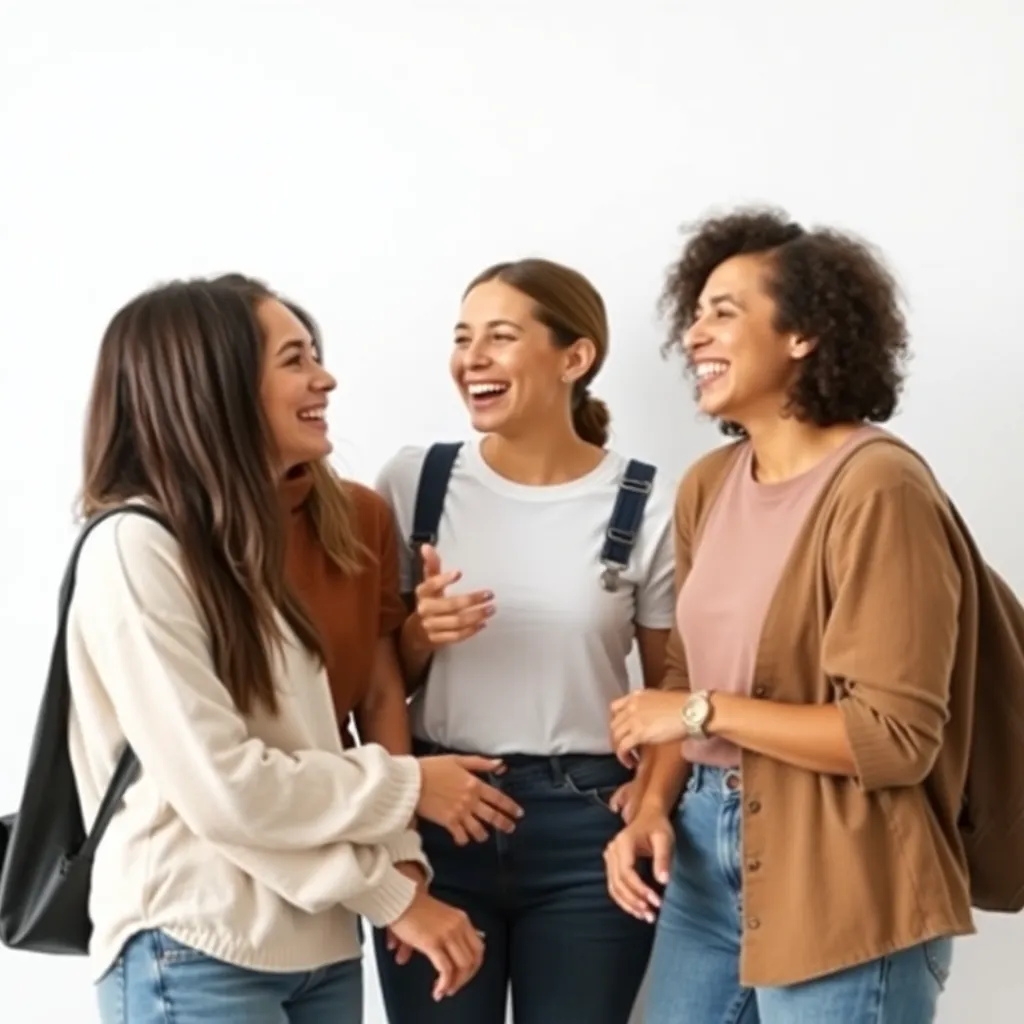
888, 754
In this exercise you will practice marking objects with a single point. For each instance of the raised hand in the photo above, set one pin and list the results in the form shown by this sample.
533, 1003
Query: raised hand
448, 620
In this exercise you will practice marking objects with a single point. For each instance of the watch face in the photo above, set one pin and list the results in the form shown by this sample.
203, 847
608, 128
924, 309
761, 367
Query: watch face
695, 712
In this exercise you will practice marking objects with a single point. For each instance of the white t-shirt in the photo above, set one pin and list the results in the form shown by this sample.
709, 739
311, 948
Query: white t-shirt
539, 678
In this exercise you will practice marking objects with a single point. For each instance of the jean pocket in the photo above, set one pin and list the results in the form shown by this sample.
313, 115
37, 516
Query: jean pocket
938, 956
596, 786
171, 951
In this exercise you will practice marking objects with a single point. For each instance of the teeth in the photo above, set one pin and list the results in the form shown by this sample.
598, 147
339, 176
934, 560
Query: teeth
705, 371
487, 389
312, 414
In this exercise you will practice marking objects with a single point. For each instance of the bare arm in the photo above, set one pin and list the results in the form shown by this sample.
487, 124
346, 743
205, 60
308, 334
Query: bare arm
382, 716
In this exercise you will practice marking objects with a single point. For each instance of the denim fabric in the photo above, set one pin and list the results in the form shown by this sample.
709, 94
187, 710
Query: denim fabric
695, 961
157, 980
553, 935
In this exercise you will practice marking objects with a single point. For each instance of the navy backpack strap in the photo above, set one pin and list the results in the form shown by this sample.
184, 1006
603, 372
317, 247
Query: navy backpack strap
627, 515
430, 495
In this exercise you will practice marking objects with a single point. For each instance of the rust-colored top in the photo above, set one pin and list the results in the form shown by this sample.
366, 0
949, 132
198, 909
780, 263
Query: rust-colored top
351, 612
876, 609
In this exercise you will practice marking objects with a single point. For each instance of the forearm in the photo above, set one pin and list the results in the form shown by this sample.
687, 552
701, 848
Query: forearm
812, 737
665, 772
414, 653
384, 719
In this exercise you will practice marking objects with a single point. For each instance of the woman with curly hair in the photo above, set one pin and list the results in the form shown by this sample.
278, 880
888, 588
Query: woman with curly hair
821, 666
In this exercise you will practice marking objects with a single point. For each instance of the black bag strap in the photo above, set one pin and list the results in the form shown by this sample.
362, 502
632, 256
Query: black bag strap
127, 768
430, 495
627, 516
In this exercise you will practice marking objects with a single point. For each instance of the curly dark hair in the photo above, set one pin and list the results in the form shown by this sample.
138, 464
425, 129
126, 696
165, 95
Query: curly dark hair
827, 285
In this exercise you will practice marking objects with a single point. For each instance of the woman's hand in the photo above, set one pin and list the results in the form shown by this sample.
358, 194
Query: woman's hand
646, 717
649, 835
626, 799
453, 797
448, 620
402, 950
445, 936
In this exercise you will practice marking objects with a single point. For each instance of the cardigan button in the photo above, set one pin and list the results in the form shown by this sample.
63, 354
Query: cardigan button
754, 806
753, 923
760, 690
753, 865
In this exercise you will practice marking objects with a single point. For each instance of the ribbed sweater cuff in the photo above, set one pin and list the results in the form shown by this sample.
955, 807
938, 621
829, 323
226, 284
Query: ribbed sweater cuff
386, 902
403, 794
870, 744
408, 848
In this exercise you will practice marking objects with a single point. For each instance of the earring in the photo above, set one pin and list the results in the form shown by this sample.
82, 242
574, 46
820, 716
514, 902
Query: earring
566, 379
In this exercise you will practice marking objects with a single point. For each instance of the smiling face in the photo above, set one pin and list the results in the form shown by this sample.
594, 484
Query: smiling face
744, 366
511, 375
295, 387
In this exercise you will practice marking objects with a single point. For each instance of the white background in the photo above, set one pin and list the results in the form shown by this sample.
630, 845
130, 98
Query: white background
369, 158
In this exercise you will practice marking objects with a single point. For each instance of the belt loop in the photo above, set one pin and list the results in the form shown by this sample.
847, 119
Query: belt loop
696, 777
557, 769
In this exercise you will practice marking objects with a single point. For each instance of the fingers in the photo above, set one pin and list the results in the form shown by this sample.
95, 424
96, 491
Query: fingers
661, 848
473, 763
467, 953
431, 560
445, 971
403, 954
625, 886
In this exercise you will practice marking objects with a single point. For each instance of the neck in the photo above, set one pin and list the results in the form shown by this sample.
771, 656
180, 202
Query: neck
541, 459
784, 447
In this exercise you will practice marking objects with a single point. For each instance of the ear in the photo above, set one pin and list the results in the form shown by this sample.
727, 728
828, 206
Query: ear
800, 347
578, 360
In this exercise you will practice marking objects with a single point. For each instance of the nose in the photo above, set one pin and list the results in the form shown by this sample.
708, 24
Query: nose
477, 352
324, 380
695, 337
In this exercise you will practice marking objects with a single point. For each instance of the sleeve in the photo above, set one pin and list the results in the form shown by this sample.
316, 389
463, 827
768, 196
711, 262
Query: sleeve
392, 608
310, 825
892, 634
396, 484
655, 601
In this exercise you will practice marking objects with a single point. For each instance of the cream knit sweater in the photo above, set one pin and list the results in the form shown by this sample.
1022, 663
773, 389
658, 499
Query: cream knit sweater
257, 839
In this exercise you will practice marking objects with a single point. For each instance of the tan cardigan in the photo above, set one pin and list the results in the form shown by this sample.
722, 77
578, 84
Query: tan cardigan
874, 609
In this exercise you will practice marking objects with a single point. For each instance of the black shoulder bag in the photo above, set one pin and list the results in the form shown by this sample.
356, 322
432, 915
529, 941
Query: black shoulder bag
45, 853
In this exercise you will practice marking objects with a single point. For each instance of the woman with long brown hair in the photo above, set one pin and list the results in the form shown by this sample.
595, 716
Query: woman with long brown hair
228, 885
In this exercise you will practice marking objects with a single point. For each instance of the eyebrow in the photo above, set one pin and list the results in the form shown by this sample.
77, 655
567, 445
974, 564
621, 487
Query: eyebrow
717, 300
295, 344
461, 326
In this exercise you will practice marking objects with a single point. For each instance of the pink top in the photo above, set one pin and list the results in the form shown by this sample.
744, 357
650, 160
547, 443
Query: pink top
741, 554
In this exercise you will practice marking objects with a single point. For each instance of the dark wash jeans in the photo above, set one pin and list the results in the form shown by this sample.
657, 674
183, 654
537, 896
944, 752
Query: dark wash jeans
553, 935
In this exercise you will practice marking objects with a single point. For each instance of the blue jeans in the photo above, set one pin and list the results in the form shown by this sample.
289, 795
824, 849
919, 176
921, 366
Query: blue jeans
695, 962
553, 935
157, 980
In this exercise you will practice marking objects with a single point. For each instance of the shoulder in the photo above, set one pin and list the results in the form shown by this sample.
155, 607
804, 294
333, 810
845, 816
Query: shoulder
885, 466
702, 480
658, 508
373, 515
129, 553
398, 477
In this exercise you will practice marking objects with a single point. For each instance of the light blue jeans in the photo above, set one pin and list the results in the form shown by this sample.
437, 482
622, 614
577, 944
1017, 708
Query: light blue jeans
157, 980
694, 970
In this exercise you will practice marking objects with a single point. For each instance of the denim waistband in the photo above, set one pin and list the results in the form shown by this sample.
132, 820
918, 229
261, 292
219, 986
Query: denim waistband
555, 765
722, 780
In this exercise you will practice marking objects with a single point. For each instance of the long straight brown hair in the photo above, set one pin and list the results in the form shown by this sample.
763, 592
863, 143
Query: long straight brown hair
330, 504
175, 418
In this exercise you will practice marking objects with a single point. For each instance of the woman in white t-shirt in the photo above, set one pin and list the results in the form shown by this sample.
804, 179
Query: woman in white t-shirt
519, 643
